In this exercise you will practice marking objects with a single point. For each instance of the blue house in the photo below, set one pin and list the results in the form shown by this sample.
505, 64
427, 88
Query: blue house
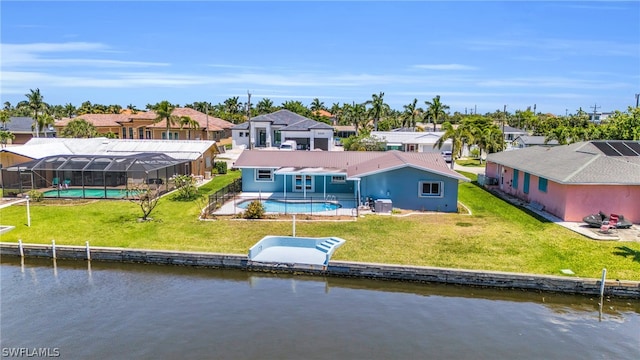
412, 181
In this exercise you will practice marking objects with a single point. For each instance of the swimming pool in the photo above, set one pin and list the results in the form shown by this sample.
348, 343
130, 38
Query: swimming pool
90, 193
293, 207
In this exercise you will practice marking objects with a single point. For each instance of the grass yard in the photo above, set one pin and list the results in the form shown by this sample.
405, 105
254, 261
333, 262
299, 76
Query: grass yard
497, 236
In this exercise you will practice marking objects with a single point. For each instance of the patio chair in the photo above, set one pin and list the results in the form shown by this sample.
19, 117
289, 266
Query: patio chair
609, 225
55, 182
67, 182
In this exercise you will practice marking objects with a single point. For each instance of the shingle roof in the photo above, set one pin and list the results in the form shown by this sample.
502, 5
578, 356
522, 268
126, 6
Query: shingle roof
535, 140
353, 163
23, 125
579, 163
288, 119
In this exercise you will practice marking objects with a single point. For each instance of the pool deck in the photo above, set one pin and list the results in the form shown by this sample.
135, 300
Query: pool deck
231, 208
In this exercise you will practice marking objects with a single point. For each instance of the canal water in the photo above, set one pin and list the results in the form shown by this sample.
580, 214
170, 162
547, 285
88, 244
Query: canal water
102, 310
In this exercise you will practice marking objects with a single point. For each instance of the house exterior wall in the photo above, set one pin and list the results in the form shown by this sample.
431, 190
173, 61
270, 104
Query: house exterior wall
570, 202
321, 185
401, 186
610, 199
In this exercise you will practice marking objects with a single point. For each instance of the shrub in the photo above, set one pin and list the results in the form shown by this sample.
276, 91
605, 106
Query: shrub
187, 189
220, 167
35, 195
255, 210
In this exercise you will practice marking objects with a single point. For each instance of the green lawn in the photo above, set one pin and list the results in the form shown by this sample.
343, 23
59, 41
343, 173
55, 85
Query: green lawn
497, 236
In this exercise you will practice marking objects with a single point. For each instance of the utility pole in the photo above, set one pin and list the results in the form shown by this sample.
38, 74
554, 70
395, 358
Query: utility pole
534, 109
595, 108
503, 121
206, 110
249, 118
637, 97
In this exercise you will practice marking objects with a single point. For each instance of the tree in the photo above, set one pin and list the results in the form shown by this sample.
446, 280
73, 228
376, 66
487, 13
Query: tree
355, 115
410, 114
69, 110
5, 136
456, 135
44, 121
164, 111
147, 199
378, 108
37, 106
435, 110
4, 118
264, 106
364, 142
316, 105
190, 124
296, 107
233, 105
79, 128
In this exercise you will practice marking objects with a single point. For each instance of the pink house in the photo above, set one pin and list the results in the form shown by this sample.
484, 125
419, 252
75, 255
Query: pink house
572, 181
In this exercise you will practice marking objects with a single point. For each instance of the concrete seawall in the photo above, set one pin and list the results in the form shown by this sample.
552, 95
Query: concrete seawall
626, 289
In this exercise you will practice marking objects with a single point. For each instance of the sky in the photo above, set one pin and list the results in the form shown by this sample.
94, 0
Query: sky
479, 56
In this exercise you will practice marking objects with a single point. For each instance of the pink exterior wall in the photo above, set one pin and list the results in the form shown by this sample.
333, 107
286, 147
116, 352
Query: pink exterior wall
616, 199
571, 202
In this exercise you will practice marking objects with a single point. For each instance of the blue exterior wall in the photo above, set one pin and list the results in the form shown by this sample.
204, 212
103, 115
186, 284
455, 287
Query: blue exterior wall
249, 184
402, 186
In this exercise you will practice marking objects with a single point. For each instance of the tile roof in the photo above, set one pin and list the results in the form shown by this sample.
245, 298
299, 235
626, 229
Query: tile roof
106, 120
353, 163
579, 163
288, 119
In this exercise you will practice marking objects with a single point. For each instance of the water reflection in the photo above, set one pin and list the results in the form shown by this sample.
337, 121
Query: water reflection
132, 311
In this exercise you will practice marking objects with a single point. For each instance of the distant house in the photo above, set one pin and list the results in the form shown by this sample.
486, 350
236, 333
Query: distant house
524, 141
271, 130
415, 181
412, 141
140, 125
572, 181
22, 128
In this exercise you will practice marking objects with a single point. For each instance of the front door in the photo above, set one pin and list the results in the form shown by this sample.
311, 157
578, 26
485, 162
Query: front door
262, 137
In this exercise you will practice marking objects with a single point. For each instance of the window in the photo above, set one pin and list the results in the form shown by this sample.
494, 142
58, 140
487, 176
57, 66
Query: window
175, 136
241, 134
131, 133
148, 133
264, 175
301, 182
338, 179
542, 184
515, 178
525, 186
430, 188
124, 133
140, 133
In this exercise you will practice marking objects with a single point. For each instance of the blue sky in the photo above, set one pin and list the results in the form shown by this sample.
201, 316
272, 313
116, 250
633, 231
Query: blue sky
559, 55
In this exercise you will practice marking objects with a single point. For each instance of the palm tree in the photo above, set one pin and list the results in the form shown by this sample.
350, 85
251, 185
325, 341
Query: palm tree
4, 118
69, 110
190, 124
164, 111
435, 110
79, 128
316, 105
378, 108
5, 136
410, 114
37, 105
356, 115
44, 121
264, 106
488, 138
232, 105
456, 135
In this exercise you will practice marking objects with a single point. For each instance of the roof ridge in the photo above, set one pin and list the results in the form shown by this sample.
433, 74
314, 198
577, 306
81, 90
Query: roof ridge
594, 158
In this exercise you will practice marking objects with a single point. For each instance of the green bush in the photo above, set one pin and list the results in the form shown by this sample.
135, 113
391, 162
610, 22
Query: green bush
255, 210
221, 167
35, 195
187, 189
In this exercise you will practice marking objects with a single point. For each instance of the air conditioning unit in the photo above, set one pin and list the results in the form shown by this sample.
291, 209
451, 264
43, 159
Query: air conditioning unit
492, 181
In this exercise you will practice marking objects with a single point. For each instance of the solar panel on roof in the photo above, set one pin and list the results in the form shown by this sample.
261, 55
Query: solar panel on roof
622, 148
635, 146
605, 148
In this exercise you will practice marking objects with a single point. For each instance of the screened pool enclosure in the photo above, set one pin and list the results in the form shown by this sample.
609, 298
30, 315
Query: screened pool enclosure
93, 176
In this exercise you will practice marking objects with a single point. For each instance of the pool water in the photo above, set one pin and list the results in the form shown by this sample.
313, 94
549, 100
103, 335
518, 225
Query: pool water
277, 206
90, 193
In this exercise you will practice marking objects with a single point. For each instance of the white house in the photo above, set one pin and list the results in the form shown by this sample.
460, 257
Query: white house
271, 130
